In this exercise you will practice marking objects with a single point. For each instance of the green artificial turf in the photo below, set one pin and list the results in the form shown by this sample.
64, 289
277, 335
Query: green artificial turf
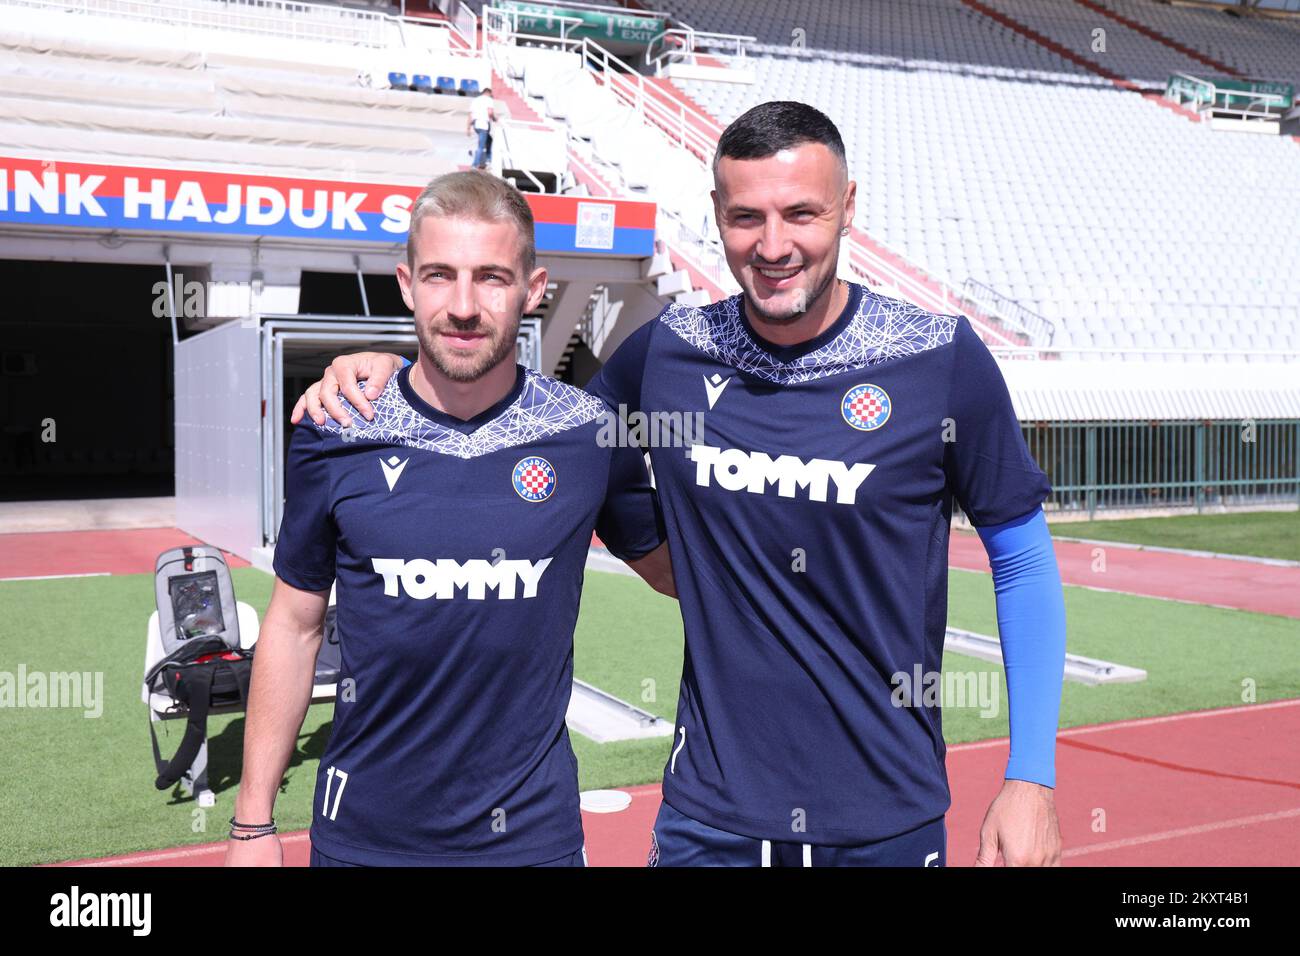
1262, 534
76, 787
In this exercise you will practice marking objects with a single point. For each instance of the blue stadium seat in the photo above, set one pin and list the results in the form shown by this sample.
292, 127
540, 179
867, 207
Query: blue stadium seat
446, 85
421, 83
469, 87
398, 81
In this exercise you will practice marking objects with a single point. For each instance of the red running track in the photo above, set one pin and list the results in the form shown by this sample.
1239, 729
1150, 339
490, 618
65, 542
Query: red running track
1205, 788
129, 551
1208, 788
1245, 585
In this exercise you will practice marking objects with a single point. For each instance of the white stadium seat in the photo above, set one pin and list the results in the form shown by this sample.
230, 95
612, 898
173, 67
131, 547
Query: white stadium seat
1155, 224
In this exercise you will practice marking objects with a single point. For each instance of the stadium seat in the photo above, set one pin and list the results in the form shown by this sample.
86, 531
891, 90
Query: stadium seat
1046, 178
469, 88
398, 81
421, 83
446, 84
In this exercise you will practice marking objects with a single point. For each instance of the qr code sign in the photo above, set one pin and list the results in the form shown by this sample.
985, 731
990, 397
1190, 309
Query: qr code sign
595, 226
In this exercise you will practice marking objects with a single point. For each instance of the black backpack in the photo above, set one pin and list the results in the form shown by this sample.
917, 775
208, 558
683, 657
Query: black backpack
204, 667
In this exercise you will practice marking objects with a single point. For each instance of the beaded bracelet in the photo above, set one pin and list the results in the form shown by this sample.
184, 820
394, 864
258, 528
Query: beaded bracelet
253, 826
254, 836
254, 829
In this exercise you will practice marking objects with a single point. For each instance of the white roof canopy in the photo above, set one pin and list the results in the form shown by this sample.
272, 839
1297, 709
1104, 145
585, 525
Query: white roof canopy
1151, 391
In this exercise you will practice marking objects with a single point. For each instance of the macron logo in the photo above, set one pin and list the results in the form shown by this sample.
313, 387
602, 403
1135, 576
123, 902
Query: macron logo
753, 471
715, 387
392, 470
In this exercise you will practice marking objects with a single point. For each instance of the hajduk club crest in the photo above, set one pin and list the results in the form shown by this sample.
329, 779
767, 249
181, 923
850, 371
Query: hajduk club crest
534, 479
866, 407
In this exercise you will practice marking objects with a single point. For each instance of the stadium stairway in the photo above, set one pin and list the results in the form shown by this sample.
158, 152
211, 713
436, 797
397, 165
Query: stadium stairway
675, 99
456, 39
635, 136
677, 274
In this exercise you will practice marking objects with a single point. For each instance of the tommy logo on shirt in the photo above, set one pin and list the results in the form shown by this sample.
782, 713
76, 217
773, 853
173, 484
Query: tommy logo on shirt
754, 471
447, 578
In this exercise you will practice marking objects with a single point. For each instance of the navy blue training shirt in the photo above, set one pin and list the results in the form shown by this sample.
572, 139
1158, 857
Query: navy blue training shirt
809, 531
459, 549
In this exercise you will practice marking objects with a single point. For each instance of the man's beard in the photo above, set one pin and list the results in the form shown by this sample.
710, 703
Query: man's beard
771, 318
461, 370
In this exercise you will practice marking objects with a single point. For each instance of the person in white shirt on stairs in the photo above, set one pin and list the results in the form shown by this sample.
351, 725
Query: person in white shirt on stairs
481, 114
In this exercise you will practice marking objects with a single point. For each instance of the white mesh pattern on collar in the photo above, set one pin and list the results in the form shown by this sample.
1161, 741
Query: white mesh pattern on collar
544, 407
880, 329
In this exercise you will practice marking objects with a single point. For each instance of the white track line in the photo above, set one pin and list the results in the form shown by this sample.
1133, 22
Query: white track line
141, 859
1185, 831
1171, 718
1137, 722
158, 856
1160, 549
1141, 594
55, 577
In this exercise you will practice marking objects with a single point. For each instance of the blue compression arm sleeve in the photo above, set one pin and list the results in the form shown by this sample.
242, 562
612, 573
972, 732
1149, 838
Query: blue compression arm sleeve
1031, 627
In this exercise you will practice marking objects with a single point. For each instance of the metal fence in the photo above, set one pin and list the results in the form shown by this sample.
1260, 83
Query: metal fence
1115, 466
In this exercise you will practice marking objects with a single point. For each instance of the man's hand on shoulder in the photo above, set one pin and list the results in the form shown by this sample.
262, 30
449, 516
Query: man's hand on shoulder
343, 375
1021, 827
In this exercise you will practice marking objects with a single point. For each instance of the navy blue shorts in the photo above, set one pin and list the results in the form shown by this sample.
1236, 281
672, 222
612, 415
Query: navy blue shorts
576, 859
678, 840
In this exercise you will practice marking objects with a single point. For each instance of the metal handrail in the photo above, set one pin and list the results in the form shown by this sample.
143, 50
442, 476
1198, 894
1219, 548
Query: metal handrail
512, 18
989, 302
461, 19
862, 260
681, 122
605, 8
1257, 102
504, 129
691, 40
868, 263
703, 252
697, 134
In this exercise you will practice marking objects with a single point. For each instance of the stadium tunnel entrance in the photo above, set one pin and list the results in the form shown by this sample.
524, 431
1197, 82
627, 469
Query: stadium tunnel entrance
86, 368
86, 374
232, 441
155, 340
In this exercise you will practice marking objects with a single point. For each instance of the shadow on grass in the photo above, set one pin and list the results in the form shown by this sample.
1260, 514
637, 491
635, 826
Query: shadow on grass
226, 758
